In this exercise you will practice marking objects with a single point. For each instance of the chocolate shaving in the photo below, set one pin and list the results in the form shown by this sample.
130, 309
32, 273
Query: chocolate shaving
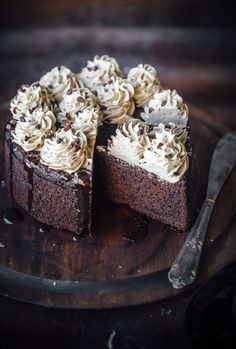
176, 173
151, 110
141, 131
13, 122
69, 92
67, 126
80, 99
168, 156
59, 140
38, 127
159, 145
68, 116
22, 119
163, 103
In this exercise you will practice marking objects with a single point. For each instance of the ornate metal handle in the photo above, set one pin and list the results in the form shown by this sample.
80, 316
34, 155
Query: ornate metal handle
184, 270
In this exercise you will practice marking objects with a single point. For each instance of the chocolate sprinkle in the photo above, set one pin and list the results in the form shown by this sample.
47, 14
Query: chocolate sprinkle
69, 92
67, 126
80, 99
151, 110
163, 103
22, 119
59, 140
159, 145
38, 127
13, 122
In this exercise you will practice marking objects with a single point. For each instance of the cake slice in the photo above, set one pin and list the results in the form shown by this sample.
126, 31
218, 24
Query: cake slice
151, 169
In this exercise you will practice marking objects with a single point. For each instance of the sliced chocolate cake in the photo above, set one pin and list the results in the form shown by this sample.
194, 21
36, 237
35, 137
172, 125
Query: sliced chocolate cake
142, 135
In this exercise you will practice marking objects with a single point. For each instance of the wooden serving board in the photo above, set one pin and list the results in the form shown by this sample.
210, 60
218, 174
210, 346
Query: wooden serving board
126, 260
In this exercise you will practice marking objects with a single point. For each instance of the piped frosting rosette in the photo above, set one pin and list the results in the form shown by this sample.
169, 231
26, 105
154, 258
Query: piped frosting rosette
99, 71
145, 82
58, 81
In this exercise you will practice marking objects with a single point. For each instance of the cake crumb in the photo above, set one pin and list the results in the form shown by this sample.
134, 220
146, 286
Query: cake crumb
2, 245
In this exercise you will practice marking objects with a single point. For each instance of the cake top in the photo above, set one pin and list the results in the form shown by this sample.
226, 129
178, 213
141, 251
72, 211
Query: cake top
58, 118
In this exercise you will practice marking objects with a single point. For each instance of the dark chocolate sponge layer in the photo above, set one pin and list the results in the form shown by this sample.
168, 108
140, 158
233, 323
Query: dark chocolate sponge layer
53, 198
145, 192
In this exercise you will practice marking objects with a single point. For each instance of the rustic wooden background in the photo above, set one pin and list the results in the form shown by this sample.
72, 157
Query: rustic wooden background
147, 13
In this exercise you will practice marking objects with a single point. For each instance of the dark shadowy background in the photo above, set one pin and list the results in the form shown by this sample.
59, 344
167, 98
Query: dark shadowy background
148, 13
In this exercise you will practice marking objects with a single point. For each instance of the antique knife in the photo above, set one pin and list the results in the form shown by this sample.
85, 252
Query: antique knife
184, 270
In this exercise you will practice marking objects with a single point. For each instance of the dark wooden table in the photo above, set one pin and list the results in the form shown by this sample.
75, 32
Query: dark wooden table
201, 66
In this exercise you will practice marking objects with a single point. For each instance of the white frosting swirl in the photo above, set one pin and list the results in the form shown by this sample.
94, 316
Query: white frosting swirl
145, 82
166, 106
79, 106
67, 151
166, 155
130, 142
27, 99
161, 151
99, 71
30, 132
116, 100
58, 81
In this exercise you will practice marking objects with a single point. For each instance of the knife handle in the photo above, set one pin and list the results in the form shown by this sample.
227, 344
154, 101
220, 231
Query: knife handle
184, 270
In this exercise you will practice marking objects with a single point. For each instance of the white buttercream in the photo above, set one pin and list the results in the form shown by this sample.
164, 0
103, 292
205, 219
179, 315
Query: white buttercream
145, 82
27, 99
166, 106
79, 106
99, 71
58, 81
129, 142
67, 151
166, 155
30, 133
116, 100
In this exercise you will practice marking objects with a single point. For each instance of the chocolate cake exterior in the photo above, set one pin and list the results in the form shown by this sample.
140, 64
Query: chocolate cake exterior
51, 197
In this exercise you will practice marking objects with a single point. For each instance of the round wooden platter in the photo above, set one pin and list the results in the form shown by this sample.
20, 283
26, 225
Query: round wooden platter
127, 258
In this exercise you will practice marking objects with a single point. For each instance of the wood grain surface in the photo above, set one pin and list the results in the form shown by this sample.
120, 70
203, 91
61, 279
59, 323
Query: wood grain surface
126, 260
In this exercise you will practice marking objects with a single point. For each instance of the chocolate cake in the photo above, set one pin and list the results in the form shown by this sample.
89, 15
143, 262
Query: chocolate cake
144, 157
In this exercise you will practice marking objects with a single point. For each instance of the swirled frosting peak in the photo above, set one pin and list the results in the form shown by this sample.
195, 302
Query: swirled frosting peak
145, 82
130, 142
58, 81
28, 98
66, 151
166, 155
166, 106
116, 100
99, 71
79, 106
30, 132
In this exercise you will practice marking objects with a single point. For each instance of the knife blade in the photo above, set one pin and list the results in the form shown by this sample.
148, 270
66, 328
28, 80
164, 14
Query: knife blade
184, 270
